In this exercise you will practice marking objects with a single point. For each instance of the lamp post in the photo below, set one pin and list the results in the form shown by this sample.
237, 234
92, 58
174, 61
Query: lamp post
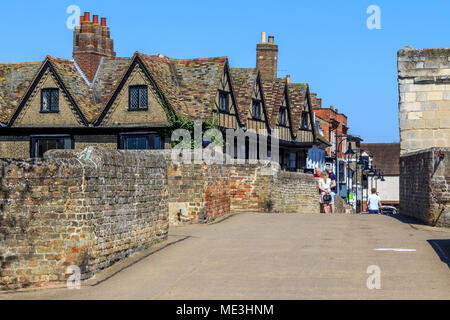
349, 153
364, 168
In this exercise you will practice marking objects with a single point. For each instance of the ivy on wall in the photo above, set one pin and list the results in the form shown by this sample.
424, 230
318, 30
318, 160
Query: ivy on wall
177, 121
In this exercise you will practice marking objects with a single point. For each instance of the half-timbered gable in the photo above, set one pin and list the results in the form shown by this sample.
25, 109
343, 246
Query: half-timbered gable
277, 101
250, 99
302, 117
226, 110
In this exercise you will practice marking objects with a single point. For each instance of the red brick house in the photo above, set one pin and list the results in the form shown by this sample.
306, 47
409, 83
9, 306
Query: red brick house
334, 127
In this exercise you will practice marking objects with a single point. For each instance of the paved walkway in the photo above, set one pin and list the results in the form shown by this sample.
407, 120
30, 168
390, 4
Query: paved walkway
281, 256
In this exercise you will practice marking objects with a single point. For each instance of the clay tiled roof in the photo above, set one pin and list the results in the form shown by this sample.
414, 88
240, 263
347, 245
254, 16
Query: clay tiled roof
297, 98
198, 81
108, 78
91, 100
244, 81
386, 156
74, 83
15, 78
273, 96
163, 72
190, 85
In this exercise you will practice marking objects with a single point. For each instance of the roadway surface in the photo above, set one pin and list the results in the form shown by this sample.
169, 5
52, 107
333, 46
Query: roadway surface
281, 256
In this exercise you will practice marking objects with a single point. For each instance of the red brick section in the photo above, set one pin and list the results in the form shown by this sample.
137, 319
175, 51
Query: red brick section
331, 114
91, 41
217, 191
266, 60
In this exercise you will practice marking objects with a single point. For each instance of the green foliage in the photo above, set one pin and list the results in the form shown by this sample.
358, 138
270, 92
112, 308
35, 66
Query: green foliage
177, 121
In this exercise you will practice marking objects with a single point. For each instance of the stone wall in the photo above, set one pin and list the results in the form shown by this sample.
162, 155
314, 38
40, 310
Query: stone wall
201, 192
95, 207
293, 192
425, 185
424, 102
88, 209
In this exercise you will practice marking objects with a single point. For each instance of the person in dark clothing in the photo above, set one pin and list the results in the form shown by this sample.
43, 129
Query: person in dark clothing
333, 188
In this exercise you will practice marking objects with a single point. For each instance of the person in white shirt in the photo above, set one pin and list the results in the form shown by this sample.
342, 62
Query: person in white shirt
374, 202
325, 189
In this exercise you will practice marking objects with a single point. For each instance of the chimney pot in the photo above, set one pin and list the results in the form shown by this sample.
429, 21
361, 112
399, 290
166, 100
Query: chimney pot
81, 19
263, 37
90, 44
271, 38
288, 78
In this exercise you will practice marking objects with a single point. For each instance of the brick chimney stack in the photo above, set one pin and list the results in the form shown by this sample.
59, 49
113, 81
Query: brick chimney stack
91, 42
266, 58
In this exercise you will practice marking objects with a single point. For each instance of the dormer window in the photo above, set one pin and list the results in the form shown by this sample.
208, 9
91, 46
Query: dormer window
224, 102
256, 109
138, 98
282, 116
49, 100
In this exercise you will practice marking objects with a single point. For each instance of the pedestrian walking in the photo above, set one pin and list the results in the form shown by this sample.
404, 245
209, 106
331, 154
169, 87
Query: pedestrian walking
374, 202
317, 175
325, 191
333, 188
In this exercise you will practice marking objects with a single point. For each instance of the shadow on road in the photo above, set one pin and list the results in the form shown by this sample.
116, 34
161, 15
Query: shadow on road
406, 219
442, 248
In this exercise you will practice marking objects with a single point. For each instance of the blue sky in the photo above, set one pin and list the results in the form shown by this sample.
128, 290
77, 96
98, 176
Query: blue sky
324, 43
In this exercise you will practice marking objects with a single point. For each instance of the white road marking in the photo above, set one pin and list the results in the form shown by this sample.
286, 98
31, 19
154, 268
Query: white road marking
394, 249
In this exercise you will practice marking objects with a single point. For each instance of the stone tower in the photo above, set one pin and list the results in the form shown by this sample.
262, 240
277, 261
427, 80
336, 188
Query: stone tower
424, 102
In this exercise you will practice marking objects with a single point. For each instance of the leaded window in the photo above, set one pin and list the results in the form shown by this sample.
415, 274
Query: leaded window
224, 102
304, 120
49, 100
256, 109
138, 98
282, 116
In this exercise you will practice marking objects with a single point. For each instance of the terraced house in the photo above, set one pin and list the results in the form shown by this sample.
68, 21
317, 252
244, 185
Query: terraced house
99, 99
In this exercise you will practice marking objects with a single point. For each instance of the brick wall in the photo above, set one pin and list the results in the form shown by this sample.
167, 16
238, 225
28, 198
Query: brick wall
14, 147
425, 185
250, 187
424, 102
198, 192
66, 210
293, 192
217, 191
